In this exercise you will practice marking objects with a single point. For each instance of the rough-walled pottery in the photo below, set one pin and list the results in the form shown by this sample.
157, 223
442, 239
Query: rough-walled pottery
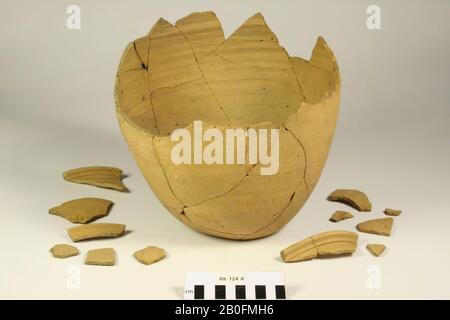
181, 73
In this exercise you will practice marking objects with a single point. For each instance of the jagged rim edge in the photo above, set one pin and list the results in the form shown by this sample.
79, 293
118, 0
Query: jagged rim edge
328, 94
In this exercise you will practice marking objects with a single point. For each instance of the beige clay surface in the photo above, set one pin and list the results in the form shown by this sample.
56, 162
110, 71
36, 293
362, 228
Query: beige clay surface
340, 215
149, 255
354, 198
63, 251
101, 257
382, 227
188, 71
99, 176
392, 212
329, 243
376, 249
83, 210
96, 230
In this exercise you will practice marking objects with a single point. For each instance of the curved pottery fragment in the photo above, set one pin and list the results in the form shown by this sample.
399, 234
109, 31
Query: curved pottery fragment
182, 73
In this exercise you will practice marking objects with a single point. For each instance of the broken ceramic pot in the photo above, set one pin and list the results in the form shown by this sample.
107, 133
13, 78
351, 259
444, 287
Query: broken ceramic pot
186, 72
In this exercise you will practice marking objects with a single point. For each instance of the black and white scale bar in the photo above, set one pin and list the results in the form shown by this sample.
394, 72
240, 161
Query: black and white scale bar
232, 286
260, 292
199, 292
240, 292
280, 292
220, 292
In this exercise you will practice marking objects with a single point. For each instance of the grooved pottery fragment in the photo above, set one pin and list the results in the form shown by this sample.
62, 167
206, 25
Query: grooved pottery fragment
62, 251
376, 249
96, 230
382, 227
99, 176
354, 198
82, 210
186, 72
392, 212
149, 255
101, 257
331, 243
340, 215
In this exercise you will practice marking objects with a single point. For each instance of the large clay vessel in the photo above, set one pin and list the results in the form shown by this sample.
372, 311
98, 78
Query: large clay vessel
181, 73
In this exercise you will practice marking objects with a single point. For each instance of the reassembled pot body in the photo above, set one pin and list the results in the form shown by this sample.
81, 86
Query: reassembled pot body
186, 72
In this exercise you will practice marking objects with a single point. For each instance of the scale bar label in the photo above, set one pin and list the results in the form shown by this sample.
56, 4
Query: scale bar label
234, 286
